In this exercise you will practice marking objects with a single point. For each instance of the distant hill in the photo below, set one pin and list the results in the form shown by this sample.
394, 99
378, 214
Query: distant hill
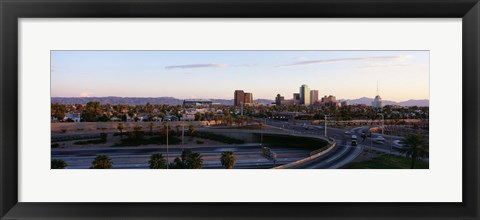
175, 101
139, 100
411, 102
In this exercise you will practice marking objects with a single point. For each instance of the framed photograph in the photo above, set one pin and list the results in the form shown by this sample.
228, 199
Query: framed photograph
249, 110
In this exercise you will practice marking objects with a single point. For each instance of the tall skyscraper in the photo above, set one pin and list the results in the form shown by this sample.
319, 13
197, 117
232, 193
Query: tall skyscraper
248, 98
304, 95
238, 98
313, 96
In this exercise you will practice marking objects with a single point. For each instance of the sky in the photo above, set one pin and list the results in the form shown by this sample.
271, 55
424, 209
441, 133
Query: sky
401, 75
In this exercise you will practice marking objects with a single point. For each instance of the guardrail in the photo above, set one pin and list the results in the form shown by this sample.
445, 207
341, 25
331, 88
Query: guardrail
332, 144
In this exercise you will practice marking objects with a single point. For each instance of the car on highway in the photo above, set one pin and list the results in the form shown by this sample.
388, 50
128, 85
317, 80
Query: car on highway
379, 140
367, 133
354, 142
398, 144
348, 132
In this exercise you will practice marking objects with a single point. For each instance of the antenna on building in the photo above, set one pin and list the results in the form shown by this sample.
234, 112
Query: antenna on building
377, 87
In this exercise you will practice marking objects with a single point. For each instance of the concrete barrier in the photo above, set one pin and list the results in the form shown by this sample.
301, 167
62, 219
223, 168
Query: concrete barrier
332, 144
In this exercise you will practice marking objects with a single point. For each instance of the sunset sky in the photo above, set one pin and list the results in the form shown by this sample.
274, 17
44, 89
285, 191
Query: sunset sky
402, 75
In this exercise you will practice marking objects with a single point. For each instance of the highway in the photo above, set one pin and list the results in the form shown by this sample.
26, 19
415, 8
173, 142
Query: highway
344, 152
340, 155
248, 156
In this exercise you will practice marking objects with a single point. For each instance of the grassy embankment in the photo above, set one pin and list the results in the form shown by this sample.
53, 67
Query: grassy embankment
387, 162
308, 143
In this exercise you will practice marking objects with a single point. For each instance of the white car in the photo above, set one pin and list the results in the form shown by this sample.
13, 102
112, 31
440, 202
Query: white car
397, 144
348, 132
379, 139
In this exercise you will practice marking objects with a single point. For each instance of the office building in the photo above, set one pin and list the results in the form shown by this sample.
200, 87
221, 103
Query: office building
304, 95
313, 97
296, 98
248, 98
279, 99
239, 98
330, 101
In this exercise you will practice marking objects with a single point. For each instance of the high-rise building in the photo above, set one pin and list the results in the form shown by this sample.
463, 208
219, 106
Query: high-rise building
296, 98
248, 98
313, 96
304, 95
279, 99
238, 98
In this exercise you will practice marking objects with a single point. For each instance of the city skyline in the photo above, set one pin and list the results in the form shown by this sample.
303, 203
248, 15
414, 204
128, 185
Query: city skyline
403, 75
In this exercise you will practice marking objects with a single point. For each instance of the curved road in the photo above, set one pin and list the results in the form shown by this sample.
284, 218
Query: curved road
248, 155
343, 153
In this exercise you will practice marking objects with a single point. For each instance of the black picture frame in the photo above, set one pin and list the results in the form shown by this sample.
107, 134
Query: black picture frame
12, 10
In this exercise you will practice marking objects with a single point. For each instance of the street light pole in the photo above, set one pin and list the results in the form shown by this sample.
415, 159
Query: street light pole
383, 121
167, 145
183, 131
326, 125
261, 136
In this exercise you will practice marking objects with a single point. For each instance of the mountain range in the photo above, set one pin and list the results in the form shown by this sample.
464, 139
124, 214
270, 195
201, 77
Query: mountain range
139, 100
175, 101
368, 101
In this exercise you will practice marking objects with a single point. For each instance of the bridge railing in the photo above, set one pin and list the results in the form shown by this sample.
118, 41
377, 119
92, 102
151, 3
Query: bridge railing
316, 153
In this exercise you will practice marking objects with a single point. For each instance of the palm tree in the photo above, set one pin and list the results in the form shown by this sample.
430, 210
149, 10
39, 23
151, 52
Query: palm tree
157, 161
137, 132
120, 127
228, 159
102, 162
415, 146
151, 125
191, 130
58, 164
194, 161
186, 154
177, 164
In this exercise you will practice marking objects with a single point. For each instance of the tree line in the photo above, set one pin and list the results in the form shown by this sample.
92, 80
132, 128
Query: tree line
96, 112
187, 160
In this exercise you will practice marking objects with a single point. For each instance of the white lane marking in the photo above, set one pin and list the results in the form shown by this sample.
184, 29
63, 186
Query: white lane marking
339, 155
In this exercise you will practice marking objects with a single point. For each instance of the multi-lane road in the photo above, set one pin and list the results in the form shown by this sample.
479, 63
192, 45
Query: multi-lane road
248, 156
344, 152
